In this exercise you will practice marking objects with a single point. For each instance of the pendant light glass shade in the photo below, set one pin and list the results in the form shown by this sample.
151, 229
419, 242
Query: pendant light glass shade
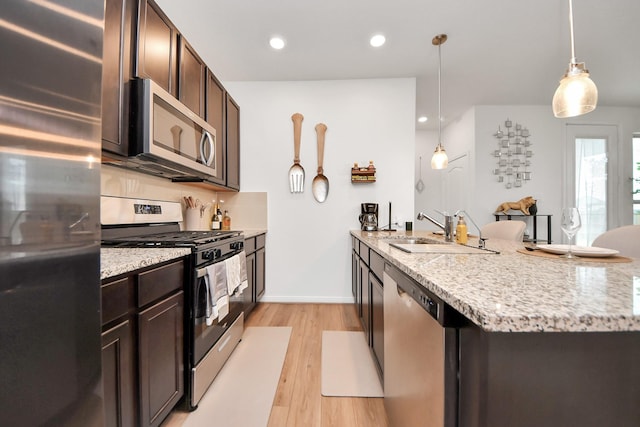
577, 93
439, 159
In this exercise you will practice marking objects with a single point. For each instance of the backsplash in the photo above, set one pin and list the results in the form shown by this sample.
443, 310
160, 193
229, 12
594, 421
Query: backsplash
247, 210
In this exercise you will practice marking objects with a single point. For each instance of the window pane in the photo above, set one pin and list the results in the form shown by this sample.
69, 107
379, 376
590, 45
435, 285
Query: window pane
591, 188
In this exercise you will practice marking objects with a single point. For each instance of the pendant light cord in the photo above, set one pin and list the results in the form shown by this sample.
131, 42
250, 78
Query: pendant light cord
573, 49
440, 94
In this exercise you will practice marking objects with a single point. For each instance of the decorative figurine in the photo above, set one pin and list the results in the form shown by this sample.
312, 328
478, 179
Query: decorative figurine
523, 205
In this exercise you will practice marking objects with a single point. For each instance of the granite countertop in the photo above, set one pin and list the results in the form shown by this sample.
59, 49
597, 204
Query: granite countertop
116, 261
252, 233
515, 292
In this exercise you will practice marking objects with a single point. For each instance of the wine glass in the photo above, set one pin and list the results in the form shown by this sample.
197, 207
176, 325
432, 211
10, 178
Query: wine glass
570, 224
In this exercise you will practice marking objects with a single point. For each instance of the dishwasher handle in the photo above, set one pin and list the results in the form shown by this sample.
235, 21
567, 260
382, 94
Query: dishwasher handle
405, 298
415, 293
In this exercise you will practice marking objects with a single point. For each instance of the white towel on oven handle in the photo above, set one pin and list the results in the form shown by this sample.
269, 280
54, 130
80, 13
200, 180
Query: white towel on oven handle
218, 295
244, 283
208, 314
233, 273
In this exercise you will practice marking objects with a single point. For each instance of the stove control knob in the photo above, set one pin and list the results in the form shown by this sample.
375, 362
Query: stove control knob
237, 246
212, 254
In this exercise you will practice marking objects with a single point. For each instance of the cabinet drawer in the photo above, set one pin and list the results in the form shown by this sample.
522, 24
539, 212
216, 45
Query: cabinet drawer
364, 253
260, 241
376, 264
161, 281
117, 298
250, 245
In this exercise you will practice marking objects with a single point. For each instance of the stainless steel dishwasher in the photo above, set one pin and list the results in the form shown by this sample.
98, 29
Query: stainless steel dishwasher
421, 355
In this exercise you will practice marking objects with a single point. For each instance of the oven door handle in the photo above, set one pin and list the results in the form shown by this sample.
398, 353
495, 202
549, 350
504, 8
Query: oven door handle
201, 272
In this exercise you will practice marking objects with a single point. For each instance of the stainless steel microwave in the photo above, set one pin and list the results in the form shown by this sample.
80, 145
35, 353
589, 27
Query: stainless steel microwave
167, 138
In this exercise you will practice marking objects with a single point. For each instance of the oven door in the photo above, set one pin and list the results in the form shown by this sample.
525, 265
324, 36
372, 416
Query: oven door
205, 336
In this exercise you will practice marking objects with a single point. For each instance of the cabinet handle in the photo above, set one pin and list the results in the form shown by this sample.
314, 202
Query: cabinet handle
224, 343
207, 137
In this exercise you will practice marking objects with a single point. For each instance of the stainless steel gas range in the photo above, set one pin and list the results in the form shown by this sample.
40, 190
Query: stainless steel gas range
155, 224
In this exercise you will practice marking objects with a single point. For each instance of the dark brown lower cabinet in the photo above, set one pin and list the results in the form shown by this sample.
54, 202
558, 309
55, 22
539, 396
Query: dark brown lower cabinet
143, 345
118, 375
365, 316
255, 250
260, 271
367, 268
160, 359
377, 322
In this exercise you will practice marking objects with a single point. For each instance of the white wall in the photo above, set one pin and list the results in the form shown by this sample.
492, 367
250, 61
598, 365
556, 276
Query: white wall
308, 255
458, 139
548, 141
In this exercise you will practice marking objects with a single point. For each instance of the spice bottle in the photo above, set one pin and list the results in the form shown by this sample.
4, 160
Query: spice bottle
461, 231
226, 221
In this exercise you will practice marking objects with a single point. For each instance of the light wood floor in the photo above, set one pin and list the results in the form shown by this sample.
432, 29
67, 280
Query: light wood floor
298, 401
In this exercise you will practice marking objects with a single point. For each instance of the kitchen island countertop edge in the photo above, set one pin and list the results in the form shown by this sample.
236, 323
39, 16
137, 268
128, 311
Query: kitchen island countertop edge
515, 292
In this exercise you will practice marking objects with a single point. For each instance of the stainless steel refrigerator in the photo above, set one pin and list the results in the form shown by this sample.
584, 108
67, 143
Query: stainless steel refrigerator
50, 136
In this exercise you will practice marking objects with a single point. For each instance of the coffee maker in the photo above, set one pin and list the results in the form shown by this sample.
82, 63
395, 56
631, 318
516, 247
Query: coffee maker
368, 216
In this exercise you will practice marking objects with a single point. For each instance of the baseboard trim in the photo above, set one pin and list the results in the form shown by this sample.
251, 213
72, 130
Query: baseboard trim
307, 299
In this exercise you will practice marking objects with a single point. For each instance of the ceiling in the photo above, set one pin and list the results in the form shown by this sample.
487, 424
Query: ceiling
499, 52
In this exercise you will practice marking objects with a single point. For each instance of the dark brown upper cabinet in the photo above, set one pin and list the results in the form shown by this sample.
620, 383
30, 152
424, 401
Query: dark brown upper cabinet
140, 41
191, 76
233, 143
215, 116
116, 72
157, 47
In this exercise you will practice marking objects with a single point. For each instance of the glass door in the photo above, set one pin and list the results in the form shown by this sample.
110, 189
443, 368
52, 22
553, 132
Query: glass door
591, 166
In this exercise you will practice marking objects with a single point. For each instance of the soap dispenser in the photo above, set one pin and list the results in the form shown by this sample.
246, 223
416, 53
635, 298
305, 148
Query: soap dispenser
461, 231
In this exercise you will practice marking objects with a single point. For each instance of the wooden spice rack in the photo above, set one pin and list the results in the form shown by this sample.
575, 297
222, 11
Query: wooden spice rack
365, 174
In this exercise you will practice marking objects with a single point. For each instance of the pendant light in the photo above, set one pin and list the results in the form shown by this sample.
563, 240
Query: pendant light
439, 159
577, 94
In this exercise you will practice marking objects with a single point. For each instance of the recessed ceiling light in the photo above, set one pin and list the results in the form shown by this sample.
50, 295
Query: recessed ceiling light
377, 40
276, 43
422, 119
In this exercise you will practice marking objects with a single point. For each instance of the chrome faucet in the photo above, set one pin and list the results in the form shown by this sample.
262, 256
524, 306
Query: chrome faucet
481, 240
447, 227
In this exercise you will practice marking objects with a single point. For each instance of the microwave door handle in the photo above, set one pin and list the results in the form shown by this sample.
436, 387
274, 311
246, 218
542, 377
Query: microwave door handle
206, 136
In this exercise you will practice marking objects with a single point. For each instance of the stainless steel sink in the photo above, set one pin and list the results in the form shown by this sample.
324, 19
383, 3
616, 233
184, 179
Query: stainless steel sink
414, 241
425, 245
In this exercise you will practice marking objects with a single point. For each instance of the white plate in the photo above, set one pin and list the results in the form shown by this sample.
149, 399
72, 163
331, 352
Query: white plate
587, 251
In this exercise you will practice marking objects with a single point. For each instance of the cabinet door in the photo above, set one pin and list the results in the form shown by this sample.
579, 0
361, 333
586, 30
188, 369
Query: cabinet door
160, 359
118, 376
233, 143
215, 103
116, 71
365, 316
355, 270
377, 321
191, 76
157, 47
358, 284
250, 292
260, 273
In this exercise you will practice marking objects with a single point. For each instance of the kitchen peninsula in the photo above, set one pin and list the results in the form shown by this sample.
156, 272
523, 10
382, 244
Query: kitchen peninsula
543, 341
